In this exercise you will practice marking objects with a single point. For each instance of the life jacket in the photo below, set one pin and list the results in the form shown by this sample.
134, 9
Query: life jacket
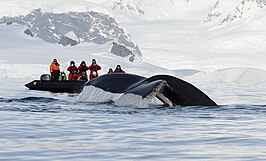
72, 73
94, 69
54, 66
72, 69
83, 68
62, 78
72, 76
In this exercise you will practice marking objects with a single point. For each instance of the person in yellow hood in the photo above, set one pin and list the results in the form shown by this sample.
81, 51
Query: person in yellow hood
54, 70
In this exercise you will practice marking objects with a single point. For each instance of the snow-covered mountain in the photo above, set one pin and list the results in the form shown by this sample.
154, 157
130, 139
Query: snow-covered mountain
227, 12
151, 9
73, 28
204, 10
222, 12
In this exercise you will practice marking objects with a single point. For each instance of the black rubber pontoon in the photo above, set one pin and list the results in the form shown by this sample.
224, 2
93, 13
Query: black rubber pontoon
57, 86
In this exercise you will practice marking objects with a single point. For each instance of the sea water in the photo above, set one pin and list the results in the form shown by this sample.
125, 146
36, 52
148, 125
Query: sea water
38, 125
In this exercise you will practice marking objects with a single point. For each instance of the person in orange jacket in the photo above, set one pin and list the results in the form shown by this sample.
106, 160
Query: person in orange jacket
73, 71
94, 67
54, 70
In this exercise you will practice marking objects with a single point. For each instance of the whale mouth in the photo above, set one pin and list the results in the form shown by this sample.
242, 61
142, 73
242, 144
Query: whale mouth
133, 90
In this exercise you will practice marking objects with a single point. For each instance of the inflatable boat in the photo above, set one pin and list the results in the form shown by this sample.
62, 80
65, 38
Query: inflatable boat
46, 84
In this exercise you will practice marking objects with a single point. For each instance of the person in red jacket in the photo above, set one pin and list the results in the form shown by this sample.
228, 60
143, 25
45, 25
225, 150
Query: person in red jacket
94, 67
118, 69
82, 69
73, 71
110, 71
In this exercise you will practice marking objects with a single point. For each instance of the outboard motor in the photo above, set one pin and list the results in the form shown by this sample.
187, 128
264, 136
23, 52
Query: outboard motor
45, 77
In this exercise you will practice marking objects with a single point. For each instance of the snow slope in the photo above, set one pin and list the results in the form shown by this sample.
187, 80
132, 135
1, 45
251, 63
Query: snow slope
239, 75
198, 34
177, 38
26, 57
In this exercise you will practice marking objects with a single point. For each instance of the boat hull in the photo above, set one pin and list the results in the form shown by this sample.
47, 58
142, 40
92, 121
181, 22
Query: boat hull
57, 86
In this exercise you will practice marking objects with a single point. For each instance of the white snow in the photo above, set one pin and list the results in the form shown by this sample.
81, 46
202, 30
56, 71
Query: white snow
173, 39
72, 36
239, 75
22, 7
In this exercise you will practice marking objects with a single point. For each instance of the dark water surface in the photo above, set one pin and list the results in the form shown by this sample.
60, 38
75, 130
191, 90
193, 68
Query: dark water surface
44, 126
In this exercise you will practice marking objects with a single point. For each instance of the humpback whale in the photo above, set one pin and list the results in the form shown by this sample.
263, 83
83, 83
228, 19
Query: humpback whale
134, 90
